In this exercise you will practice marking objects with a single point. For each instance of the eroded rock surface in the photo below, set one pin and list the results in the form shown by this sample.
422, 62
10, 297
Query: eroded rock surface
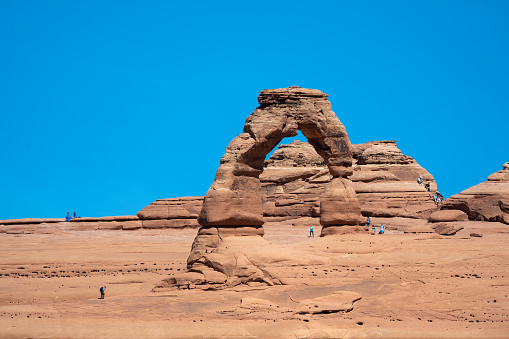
488, 200
385, 182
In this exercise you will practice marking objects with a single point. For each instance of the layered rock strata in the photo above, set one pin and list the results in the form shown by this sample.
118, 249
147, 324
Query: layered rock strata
175, 213
488, 200
384, 179
172, 213
53, 225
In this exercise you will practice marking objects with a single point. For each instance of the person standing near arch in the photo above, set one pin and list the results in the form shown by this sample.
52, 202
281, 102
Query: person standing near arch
311, 233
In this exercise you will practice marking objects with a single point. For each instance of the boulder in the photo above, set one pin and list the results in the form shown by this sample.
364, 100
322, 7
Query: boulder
447, 228
448, 215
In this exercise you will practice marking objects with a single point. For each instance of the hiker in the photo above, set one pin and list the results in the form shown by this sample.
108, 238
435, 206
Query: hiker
428, 187
68, 217
438, 198
368, 222
382, 227
374, 228
74, 216
419, 181
102, 292
311, 233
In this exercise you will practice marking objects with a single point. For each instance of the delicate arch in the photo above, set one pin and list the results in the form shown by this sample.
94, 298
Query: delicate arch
234, 199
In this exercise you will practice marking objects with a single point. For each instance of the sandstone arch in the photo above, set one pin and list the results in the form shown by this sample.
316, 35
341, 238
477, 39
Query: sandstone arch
234, 197
233, 204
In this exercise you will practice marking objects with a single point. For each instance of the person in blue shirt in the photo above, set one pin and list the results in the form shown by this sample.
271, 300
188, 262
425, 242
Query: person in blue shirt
382, 228
311, 233
368, 223
68, 217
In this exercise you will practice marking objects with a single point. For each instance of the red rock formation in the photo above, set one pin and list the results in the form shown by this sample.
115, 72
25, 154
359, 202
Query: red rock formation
171, 213
488, 200
386, 182
233, 204
384, 179
55, 225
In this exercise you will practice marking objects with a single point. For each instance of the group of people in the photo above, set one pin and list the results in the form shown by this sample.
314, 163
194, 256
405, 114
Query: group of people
427, 185
69, 217
437, 197
373, 227
368, 223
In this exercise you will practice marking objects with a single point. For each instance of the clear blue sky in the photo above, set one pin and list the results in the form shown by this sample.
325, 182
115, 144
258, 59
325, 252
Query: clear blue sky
106, 106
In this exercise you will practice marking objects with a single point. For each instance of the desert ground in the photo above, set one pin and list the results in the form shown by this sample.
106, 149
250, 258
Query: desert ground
410, 285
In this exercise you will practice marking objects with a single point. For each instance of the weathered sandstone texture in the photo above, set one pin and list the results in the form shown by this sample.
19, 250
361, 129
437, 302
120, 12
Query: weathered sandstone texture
233, 204
175, 213
56, 225
384, 179
488, 200
172, 213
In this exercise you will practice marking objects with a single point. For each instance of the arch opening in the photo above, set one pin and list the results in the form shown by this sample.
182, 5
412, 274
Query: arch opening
299, 137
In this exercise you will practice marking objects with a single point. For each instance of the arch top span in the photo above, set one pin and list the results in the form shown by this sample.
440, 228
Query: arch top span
234, 199
284, 111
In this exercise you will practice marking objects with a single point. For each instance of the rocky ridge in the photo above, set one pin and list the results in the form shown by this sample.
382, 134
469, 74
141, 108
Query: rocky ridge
487, 201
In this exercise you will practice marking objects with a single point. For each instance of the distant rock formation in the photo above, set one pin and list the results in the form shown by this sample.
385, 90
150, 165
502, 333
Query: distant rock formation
54, 225
172, 213
488, 200
384, 179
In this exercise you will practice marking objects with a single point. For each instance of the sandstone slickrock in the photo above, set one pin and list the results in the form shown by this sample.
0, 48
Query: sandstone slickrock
488, 200
339, 301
